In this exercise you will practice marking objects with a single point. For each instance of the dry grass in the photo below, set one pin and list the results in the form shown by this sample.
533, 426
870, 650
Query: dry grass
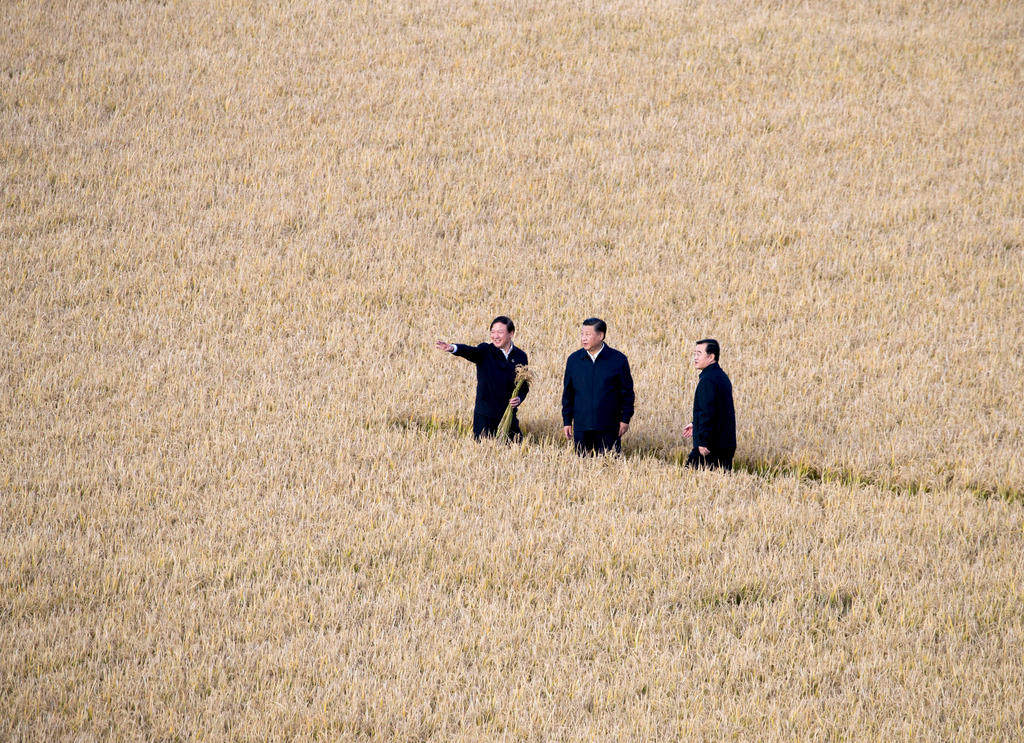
574, 599
229, 233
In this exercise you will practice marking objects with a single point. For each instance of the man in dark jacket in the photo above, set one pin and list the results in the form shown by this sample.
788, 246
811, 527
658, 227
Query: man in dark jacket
597, 395
714, 418
496, 364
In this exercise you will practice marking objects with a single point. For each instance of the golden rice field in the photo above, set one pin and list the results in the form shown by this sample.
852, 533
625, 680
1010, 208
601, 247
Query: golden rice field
237, 501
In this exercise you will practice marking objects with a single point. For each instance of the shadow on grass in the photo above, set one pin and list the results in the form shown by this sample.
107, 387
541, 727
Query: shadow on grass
642, 447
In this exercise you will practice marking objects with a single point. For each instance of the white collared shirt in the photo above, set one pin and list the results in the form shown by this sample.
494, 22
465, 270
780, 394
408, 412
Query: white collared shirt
593, 356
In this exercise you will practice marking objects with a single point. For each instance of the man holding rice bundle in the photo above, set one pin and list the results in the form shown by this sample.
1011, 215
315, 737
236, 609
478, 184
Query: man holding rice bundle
496, 364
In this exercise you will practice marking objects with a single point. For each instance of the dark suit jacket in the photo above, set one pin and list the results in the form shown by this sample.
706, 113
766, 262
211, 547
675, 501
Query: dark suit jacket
714, 418
495, 376
597, 395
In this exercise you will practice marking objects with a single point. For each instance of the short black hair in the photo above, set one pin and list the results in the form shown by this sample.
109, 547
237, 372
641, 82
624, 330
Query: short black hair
507, 322
711, 347
598, 325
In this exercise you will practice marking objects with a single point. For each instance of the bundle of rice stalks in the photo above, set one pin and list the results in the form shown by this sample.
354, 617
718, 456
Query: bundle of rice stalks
523, 376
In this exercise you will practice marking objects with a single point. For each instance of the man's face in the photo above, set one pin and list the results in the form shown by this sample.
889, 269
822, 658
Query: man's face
500, 335
590, 339
701, 358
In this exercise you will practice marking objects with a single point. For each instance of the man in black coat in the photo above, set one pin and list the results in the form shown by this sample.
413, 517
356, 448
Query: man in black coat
496, 364
714, 418
597, 395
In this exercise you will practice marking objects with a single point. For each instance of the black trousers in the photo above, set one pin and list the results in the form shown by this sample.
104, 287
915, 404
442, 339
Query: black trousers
712, 461
596, 442
487, 425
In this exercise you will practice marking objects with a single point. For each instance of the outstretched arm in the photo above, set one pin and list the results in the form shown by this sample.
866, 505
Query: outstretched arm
470, 353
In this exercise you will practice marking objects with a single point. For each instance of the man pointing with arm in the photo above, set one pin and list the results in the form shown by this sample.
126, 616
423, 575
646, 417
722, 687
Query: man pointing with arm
496, 364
